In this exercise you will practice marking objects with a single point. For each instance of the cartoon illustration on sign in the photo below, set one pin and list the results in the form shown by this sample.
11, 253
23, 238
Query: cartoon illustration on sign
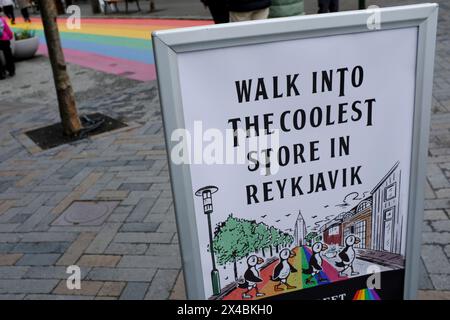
265, 260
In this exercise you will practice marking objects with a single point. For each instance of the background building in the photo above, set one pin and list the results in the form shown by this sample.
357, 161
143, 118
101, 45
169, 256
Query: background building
332, 231
387, 222
358, 221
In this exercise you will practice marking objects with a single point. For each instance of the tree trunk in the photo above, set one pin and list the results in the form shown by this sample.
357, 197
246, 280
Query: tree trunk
152, 5
263, 252
271, 251
276, 248
235, 269
66, 101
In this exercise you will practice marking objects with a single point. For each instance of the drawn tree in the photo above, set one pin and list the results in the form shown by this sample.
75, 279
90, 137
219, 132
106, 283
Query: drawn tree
231, 240
274, 239
286, 239
310, 237
235, 239
262, 236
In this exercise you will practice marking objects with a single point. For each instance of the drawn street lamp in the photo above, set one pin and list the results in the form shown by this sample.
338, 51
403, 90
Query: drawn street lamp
206, 194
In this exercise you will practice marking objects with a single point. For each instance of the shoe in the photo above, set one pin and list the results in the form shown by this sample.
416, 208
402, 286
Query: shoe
354, 273
277, 288
260, 294
290, 287
246, 296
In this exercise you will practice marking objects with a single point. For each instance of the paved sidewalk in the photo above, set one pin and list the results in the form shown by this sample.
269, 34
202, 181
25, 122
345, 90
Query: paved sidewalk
134, 254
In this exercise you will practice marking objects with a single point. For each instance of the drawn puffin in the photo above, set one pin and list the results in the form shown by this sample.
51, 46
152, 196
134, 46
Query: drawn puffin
347, 255
283, 270
315, 262
251, 277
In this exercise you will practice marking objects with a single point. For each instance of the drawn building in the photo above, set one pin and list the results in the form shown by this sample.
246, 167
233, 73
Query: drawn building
300, 230
332, 231
358, 221
387, 221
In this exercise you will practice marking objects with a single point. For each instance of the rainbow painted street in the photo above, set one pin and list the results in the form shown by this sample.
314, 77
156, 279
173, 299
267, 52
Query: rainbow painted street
116, 46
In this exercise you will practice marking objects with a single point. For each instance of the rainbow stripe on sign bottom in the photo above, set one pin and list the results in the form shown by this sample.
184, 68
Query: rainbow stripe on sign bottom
366, 294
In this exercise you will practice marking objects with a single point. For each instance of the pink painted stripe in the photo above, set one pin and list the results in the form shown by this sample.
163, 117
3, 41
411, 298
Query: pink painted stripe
121, 67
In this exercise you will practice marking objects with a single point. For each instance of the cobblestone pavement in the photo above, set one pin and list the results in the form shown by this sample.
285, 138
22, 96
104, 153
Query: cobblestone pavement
134, 253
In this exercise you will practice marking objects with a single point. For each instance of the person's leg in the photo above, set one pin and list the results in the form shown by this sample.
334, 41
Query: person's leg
260, 14
219, 12
9, 11
2, 69
334, 5
240, 16
323, 6
25, 14
2, 66
5, 47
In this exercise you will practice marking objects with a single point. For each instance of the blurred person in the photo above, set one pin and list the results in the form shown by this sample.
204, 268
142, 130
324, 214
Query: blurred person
23, 6
286, 8
218, 9
328, 6
245, 10
152, 6
8, 9
6, 36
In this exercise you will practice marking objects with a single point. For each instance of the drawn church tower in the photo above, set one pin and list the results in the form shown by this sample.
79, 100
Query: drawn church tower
300, 230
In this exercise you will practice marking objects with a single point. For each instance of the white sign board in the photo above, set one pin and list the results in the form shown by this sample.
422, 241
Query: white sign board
295, 157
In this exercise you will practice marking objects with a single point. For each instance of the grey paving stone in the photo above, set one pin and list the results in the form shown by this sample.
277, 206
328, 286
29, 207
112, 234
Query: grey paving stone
41, 247
160, 262
27, 286
9, 272
435, 259
33, 259
140, 227
437, 204
134, 291
104, 237
441, 225
436, 237
40, 213
162, 284
12, 296
8, 237
141, 210
435, 215
424, 279
441, 281
135, 186
51, 272
126, 248
48, 237
121, 274
163, 250
426, 227
6, 247
56, 297
141, 237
